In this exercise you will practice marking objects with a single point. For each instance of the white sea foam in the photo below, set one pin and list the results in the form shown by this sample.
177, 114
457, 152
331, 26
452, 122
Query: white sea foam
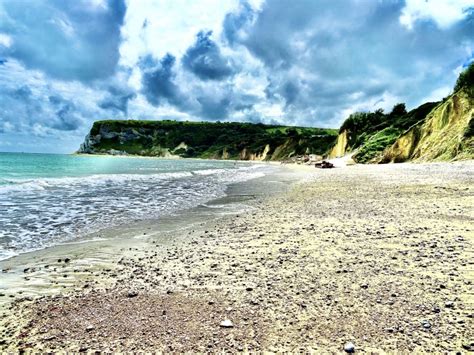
37, 213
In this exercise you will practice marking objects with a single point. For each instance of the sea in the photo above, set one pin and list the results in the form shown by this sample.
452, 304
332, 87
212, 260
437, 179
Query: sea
49, 199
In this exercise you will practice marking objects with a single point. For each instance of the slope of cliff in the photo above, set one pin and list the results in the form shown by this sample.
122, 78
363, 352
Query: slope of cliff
368, 134
244, 141
446, 134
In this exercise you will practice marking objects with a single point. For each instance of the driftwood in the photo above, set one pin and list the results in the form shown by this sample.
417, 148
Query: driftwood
324, 165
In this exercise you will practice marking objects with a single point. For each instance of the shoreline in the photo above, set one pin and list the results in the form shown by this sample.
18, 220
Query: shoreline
377, 255
11, 253
115, 239
176, 157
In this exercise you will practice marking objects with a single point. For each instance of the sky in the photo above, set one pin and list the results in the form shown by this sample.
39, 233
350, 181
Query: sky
66, 64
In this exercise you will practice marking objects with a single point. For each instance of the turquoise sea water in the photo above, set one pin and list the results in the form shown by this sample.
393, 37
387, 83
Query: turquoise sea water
47, 199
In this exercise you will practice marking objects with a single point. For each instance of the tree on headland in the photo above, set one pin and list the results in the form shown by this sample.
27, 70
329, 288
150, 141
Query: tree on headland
466, 78
398, 110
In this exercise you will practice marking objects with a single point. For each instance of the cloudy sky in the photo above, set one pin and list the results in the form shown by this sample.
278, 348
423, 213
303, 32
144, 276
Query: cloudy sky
66, 63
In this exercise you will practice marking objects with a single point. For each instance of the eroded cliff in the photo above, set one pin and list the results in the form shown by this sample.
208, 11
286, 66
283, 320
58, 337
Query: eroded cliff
243, 141
446, 133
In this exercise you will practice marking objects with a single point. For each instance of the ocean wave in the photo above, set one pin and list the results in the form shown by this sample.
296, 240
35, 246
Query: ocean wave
25, 185
208, 171
48, 211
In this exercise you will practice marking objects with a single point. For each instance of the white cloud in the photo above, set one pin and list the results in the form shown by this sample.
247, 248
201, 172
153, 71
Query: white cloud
444, 12
5, 40
160, 27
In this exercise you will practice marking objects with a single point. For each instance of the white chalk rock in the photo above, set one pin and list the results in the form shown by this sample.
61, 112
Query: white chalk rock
227, 324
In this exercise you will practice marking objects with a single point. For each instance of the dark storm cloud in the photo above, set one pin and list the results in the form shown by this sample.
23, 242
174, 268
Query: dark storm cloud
158, 80
66, 116
72, 40
160, 86
324, 57
214, 109
22, 93
205, 60
25, 109
117, 99
235, 22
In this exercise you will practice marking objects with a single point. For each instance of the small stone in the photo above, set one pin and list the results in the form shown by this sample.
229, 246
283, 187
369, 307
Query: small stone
449, 304
468, 347
90, 328
426, 324
131, 294
349, 348
227, 324
364, 286
67, 260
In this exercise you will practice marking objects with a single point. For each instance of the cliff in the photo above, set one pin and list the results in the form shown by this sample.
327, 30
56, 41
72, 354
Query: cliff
447, 133
341, 147
435, 131
244, 141
368, 134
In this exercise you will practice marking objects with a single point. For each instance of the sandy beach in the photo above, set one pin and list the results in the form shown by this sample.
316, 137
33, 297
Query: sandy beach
380, 256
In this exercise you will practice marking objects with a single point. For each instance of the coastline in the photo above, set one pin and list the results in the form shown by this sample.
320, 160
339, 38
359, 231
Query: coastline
175, 157
98, 250
377, 255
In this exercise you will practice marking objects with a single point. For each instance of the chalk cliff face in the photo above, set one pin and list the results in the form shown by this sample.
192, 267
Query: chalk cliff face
434, 131
243, 141
440, 131
341, 146
446, 134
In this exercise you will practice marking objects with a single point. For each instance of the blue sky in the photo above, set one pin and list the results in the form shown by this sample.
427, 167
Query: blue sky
65, 64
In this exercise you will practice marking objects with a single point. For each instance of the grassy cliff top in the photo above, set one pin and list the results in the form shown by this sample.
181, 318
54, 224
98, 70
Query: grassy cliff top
239, 126
227, 140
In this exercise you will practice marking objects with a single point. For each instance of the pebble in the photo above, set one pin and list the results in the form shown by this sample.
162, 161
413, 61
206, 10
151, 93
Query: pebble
227, 324
349, 348
131, 294
426, 324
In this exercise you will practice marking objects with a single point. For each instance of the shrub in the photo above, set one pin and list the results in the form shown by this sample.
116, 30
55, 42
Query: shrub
466, 79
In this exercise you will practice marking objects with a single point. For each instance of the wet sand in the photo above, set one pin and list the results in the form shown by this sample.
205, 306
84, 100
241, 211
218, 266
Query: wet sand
380, 256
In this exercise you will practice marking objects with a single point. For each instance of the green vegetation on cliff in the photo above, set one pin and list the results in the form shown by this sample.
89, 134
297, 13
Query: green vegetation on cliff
447, 131
445, 134
434, 131
229, 140
466, 80
372, 132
